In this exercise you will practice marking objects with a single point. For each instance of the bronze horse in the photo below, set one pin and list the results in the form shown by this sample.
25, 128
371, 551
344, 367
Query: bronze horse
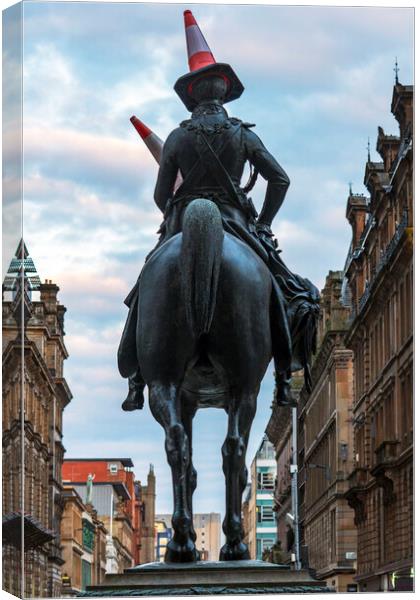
204, 339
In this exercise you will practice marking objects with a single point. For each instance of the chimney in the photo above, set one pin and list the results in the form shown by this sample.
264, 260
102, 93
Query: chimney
49, 292
402, 108
357, 207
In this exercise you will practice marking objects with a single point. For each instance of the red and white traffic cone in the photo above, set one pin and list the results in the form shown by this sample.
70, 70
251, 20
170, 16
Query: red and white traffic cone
202, 64
153, 143
199, 53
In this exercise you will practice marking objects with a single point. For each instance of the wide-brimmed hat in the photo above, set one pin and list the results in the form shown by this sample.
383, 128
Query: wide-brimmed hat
203, 64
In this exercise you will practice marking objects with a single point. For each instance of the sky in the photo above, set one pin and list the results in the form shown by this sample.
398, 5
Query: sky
318, 82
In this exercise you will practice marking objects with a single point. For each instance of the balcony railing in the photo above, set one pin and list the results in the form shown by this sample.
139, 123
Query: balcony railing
386, 452
358, 477
405, 145
364, 297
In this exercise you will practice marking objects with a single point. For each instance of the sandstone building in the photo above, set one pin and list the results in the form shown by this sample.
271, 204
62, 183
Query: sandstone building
32, 485
379, 271
83, 538
327, 523
324, 445
122, 503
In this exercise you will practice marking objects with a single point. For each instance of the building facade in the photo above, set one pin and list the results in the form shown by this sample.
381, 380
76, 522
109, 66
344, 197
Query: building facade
259, 521
326, 414
32, 484
207, 526
279, 432
146, 497
163, 535
123, 504
83, 538
379, 271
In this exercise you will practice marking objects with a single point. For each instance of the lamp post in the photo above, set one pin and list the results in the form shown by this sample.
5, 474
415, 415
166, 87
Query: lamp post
294, 489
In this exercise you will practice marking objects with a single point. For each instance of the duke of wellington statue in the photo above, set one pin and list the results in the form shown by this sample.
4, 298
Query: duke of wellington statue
213, 305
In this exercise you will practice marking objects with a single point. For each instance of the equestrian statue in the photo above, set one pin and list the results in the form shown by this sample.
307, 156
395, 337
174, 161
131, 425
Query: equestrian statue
214, 302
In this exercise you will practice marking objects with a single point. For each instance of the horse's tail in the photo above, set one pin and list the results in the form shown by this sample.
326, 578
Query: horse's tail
201, 253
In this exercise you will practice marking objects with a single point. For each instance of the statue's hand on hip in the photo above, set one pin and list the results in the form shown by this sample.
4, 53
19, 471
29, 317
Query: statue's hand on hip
267, 236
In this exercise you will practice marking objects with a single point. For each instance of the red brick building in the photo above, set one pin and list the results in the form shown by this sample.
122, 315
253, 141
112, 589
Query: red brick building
379, 271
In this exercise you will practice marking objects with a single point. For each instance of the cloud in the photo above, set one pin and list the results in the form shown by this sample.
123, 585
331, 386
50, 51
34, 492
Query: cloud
106, 162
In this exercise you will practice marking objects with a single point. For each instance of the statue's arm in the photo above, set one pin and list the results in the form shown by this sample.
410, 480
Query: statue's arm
278, 181
167, 172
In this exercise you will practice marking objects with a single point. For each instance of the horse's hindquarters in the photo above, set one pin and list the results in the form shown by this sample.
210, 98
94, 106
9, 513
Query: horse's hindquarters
238, 342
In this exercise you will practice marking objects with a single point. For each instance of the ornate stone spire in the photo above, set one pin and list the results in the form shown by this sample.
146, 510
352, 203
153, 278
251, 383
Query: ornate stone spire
21, 269
396, 70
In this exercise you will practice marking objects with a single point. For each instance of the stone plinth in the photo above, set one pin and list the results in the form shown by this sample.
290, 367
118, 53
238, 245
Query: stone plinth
233, 577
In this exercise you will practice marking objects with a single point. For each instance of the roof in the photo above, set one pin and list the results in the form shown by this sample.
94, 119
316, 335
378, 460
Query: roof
126, 462
21, 261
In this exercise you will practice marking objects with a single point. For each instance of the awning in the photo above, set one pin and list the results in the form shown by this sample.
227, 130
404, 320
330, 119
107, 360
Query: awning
35, 534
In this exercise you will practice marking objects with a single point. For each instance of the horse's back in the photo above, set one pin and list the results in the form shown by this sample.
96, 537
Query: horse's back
242, 272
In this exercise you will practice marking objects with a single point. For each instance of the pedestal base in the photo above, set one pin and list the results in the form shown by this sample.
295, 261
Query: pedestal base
231, 577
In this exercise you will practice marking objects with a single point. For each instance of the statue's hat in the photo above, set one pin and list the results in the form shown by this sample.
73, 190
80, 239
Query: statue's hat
202, 64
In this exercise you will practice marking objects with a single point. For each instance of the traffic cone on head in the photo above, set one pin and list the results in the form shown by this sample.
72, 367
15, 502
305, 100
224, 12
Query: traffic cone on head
199, 53
203, 64
152, 141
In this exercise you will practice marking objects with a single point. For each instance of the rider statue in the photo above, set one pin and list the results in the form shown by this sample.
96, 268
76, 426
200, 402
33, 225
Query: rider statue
210, 151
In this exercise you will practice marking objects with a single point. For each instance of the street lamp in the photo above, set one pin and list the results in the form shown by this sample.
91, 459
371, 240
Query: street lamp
325, 467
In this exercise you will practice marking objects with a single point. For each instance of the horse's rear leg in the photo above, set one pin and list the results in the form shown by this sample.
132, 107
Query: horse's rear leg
166, 408
240, 416
188, 411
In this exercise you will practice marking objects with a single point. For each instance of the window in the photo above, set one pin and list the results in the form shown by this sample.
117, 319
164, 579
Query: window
113, 468
266, 481
333, 534
267, 513
86, 574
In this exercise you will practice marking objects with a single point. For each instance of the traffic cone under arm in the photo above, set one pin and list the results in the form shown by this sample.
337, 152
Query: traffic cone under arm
152, 141
154, 144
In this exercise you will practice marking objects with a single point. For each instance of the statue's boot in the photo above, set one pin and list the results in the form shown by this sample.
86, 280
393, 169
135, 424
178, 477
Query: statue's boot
135, 397
283, 393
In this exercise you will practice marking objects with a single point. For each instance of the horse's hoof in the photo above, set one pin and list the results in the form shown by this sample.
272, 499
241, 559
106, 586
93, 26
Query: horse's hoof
181, 553
236, 552
134, 400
